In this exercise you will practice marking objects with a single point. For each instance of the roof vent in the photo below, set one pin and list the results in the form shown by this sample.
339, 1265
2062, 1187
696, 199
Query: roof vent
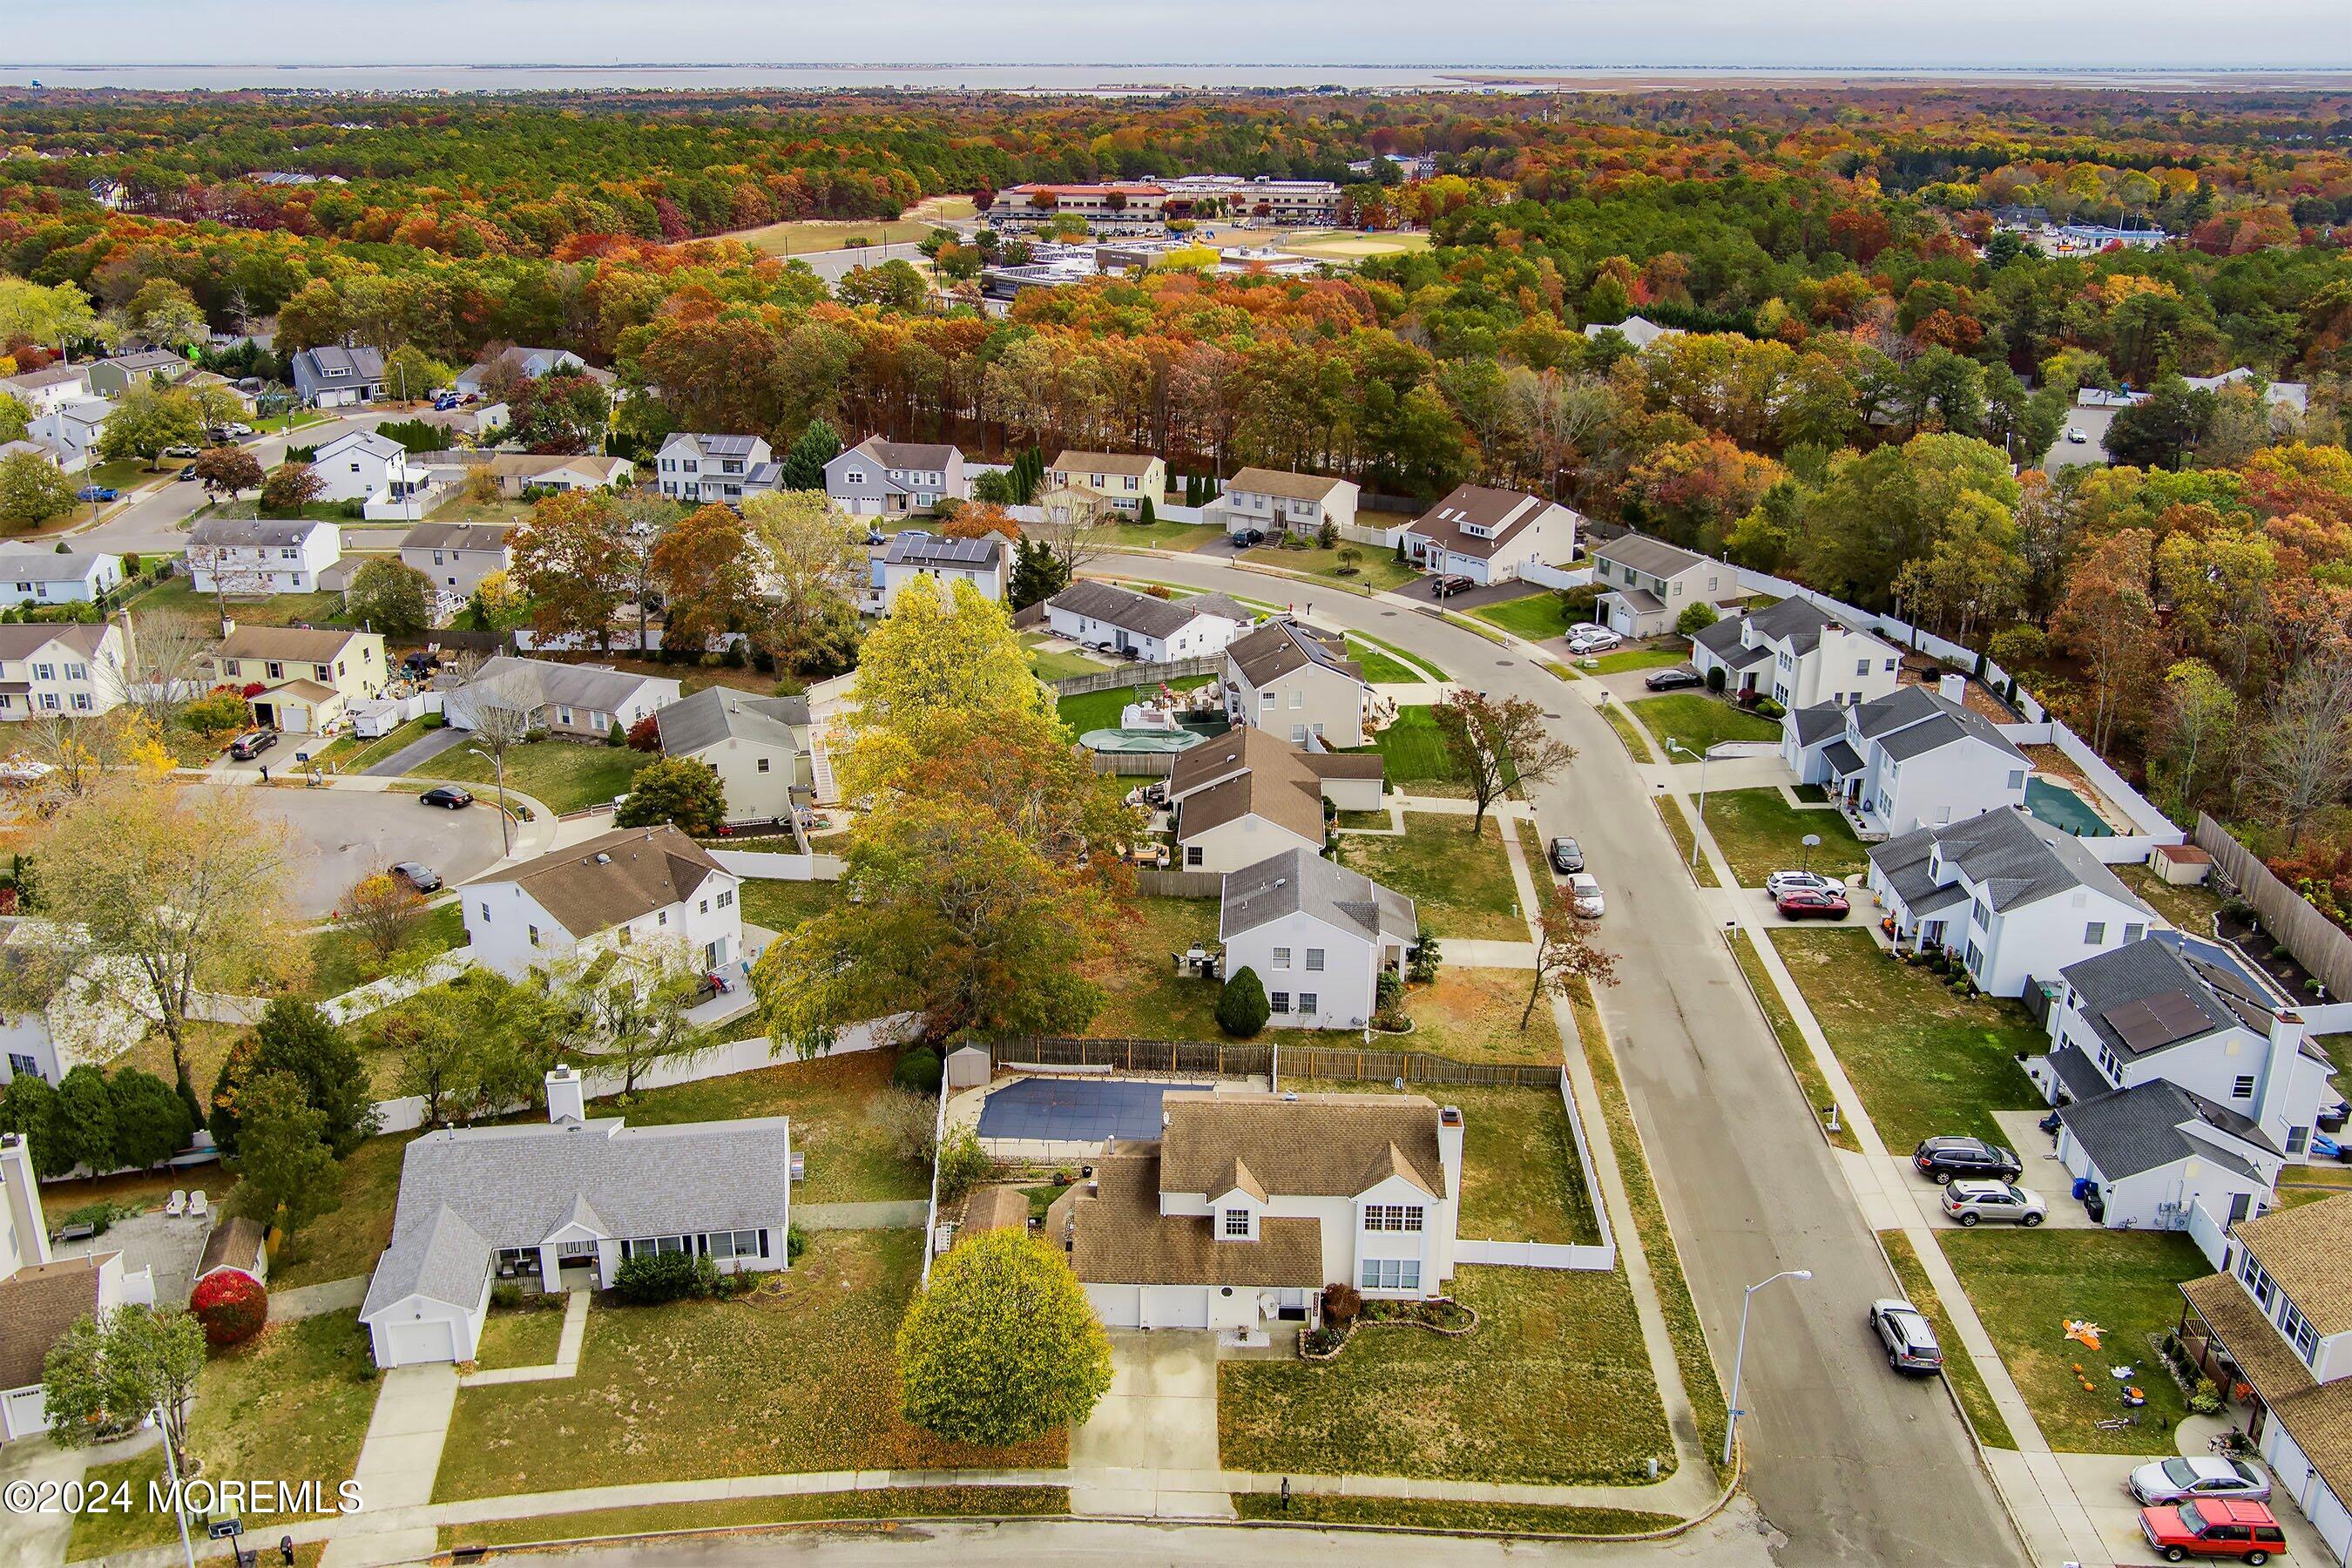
1282, 882
603, 859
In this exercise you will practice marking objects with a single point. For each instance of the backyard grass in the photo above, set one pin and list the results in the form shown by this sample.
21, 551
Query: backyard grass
1473, 1016
1537, 618
1415, 758
2025, 1284
802, 1375
1461, 884
1636, 747
1677, 816
1382, 666
1959, 1368
1144, 997
1100, 709
566, 775
779, 906
1520, 1180
339, 961
519, 1336
1061, 663
347, 1240
2190, 908
1760, 832
835, 1103
1927, 1060
1626, 659
1799, 1055
804, 236
1698, 721
176, 595
1551, 1387
742, 1513
1500, 1518
292, 1403
1380, 569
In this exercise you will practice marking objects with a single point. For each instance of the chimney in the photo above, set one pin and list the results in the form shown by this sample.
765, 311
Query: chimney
2285, 1047
1449, 1147
567, 1095
20, 1198
1954, 688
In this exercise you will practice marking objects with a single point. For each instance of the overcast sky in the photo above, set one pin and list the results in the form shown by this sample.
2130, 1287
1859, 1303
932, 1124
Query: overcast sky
2295, 34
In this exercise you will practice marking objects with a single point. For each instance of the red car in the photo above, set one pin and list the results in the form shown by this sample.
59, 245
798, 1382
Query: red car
1811, 903
2213, 1527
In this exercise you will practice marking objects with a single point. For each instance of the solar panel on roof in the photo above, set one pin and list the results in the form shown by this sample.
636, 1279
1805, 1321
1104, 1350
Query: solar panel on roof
2157, 1020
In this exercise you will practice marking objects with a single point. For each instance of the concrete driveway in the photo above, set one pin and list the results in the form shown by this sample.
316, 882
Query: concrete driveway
351, 833
36, 1539
1143, 1449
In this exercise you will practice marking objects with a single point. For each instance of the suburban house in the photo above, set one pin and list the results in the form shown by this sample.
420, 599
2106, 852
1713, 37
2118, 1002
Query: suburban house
759, 747
1490, 536
48, 667
30, 576
2174, 1008
1079, 484
983, 563
470, 422
562, 1206
330, 377
890, 478
1646, 583
234, 1245
1797, 654
692, 467
2274, 1331
47, 391
574, 702
1246, 1205
1101, 615
111, 378
362, 466
2012, 896
1319, 935
1247, 795
41, 1296
256, 557
1914, 757
86, 1017
41, 450
71, 432
1276, 501
307, 675
458, 555
1292, 680
522, 364
520, 473
630, 885
1639, 330
2142, 1158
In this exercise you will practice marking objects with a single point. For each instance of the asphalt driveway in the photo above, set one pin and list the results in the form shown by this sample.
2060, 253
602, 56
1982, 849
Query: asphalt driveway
351, 834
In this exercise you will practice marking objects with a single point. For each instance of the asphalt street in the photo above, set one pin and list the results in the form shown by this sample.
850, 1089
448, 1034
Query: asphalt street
1849, 1462
349, 834
154, 520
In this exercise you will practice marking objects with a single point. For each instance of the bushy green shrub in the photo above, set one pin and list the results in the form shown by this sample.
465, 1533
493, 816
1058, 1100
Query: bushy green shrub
1242, 1006
651, 1279
918, 1069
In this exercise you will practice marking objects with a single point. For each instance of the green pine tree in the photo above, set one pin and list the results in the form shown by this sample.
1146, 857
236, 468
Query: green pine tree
803, 465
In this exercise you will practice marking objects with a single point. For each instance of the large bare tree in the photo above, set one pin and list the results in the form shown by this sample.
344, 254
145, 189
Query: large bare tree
1497, 745
162, 666
2301, 760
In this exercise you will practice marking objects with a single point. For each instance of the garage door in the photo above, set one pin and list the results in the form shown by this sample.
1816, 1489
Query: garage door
1115, 1304
24, 1413
431, 1340
1175, 1307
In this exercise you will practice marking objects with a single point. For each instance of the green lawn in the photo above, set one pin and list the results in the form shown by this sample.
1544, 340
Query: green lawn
521, 1336
1473, 1016
779, 906
1793, 1046
1100, 709
1553, 1386
1520, 1181
175, 596
1502, 1518
339, 961
1760, 832
350, 755
1413, 755
1698, 721
1184, 536
1380, 665
1927, 1060
1059, 665
1145, 998
749, 1512
800, 1375
1462, 885
1676, 817
292, 1404
1380, 569
1959, 1369
1537, 617
2025, 1284
348, 1240
1626, 659
567, 775
835, 1103
1635, 746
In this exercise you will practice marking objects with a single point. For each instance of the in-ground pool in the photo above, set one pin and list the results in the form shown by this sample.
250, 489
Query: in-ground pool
2064, 810
1139, 740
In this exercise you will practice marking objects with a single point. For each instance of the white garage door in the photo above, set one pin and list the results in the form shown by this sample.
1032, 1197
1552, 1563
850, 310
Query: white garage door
433, 1339
1175, 1307
1114, 1304
24, 1416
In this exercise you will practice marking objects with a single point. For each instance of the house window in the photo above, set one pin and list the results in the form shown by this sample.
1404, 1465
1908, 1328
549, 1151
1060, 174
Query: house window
1279, 1001
727, 898
275, 670
2243, 1087
2094, 932
704, 907
45, 672
2017, 778
22, 1066
1237, 1222
1298, 697
662, 918
1861, 667
1314, 960
1306, 1000
725, 1244
764, 764
1298, 734
1392, 1216
2296, 1139
2134, 932
534, 936
1282, 958
1192, 856
81, 701
1392, 1274
486, 911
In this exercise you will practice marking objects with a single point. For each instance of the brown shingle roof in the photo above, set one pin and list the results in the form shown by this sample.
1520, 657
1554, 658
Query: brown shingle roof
2303, 1249
614, 876
1274, 651
993, 1208
37, 1305
234, 1243
1281, 482
1136, 463
28, 639
307, 645
1505, 511
2317, 1415
1317, 1145
1118, 1237
1269, 777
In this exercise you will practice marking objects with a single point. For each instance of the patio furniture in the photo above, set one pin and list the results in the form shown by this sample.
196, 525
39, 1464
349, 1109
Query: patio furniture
176, 1204
79, 1230
196, 1207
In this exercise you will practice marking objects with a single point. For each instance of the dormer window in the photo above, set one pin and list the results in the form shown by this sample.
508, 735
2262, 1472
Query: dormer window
1237, 1224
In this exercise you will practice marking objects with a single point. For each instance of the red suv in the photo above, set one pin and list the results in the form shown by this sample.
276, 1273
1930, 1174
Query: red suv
2213, 1527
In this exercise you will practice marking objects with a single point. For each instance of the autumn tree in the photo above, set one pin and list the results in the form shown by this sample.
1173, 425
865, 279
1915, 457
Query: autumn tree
676, 790
2107, 618
709, 584
32, 492
289, 488
811, 558
226, 470
1567, 959
2196, 727
1002, 1346
114, 1368
2301, 760
1496, 745
382, 912
389, 596
978, 520
147, 418
567, 556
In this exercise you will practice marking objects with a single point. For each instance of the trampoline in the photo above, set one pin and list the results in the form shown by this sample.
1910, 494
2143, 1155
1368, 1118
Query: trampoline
2064, 810
1078, 1110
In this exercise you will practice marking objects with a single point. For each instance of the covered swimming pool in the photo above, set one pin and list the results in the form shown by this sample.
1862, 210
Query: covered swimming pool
1065, 1111
2064, 810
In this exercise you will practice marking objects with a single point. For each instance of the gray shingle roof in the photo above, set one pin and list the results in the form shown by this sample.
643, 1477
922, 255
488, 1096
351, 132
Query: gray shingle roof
1140, 612
547, 683
1937, 719
715, 714
2139, 971
247, 532
483, 536
2012, 858
46, 565
1818, 722
1841, 758
1654, 556
1296, 882
2128, 1130
2078, 1074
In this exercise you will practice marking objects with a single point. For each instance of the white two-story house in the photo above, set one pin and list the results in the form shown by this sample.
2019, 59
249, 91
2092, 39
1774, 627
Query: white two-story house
1646, 583
1246, 1205
71, 432
256, 557
30, 576
983, 563
1247, 795
362, 466
47, 390
1276, 501
1104, 616
456, 556
2014, 898
1490, 536
41, 1295
694, 468
1318, 935
892, 478
1798, 654
1911, 758
631, 886
48, 668
1290, 680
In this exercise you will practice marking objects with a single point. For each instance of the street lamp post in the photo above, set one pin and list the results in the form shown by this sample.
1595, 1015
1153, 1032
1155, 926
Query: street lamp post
1675, 746
499, 772
179, 1500
1731, 1419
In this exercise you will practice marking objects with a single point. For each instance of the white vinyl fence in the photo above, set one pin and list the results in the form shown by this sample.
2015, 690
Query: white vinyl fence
759, 866
1599, 1256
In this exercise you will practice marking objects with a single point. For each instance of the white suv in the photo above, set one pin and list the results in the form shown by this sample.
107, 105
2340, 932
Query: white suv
1971, 1203
1780, 882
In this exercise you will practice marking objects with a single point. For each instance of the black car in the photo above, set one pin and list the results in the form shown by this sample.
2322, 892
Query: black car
1567, 857
1447, 587
417, 875
449, 797
1673, 679
1245, 538
251, 745
1944, 1160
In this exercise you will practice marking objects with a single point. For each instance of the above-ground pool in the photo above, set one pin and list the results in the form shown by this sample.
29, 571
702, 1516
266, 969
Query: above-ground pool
2064, 810
1140, 740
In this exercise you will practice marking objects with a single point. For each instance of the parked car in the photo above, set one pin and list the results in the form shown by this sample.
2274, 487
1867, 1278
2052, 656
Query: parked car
1812, 904
1590, 638
181, 452
2184, 1480
251, 745
1674, 679
1445, 587
1905, 1334
449, 797
1584, 896
2075, 438
97, 492
1973, 1203
1943, 1160
185, 474
1566, 856
2213, 1527
1247, 538
417, 875
238, 429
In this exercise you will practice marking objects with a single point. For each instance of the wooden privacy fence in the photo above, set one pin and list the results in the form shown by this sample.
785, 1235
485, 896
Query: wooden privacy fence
1240, 1058
2316, 942
1136, 675
1172, 884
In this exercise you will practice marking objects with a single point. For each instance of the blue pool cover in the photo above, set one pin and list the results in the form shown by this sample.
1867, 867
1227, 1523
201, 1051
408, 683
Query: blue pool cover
1078, 1110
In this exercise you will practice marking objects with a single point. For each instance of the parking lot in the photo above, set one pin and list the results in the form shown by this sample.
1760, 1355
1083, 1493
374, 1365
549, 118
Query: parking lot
2065, 454
351, 833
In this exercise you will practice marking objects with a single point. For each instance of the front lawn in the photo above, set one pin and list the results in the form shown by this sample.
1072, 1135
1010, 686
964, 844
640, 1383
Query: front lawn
566, 775
1553, 1386
1537, 618
780, 905
339, 962
1462, 886
1413, 755
2025, 1284
1101, 709
1760, 832
1380, 569
1698, 721
1636, 746
1505, 1518
521, 1336
1473, 1016
749, 1512
1179, 536
1380, 665
833, 1101
802, 1375
1927, 1060
291, 1404
1145, 998
1626, 659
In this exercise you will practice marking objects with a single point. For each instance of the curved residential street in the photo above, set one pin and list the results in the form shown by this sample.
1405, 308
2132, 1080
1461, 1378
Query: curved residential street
1850, 1463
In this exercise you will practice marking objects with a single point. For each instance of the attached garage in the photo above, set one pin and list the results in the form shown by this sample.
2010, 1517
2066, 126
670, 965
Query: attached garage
425, 1339
1175, 1307
23, 1415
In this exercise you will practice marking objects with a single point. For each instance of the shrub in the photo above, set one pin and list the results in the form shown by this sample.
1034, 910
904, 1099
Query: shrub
1242, 1006
1575, 604
231, 1305
1341, 1303
1715, 679
652, 1278
507, 1295
1767, 708
2207, 1399
1421, 965
212, 714
796, 1243
616, 736
1695, 618
907, 1122
645, 735
963, 1163
1328, 535
918, 1069
1149, 515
